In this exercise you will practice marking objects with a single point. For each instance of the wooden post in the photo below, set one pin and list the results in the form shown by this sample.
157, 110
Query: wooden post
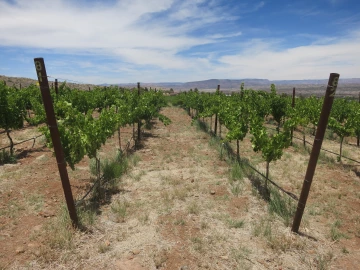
55, 137
320, 132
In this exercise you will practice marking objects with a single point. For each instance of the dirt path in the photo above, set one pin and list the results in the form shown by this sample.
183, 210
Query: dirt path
179, 209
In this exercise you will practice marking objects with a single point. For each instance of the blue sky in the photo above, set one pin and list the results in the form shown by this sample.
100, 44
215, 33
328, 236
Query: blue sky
113, 41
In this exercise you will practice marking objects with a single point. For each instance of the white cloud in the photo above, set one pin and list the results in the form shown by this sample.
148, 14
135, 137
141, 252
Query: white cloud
151, 36
260, 5
216, 36
123, 30
304, 62
56, 24
335, 2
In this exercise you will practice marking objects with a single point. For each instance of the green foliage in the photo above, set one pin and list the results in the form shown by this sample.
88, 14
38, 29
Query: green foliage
6, 157
279, 105
312, 108
246, 111
113, 169
82, 132
12, 108
344, 119
271, 146
354, 117
339, 118
33, 102
164, 119
235, 118
12, 111
174, 100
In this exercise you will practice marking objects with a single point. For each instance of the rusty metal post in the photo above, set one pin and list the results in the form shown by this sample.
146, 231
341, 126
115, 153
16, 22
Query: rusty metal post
292, 105
119, 135
55, 137
358, 137
139, 120
216, 115
320, 132
56, 87
293, 98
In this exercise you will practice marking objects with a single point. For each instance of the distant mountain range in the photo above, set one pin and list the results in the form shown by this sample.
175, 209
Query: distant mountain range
228, 84
347, 87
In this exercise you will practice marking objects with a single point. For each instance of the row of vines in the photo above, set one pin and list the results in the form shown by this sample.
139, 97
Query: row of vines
248, 112
85, 118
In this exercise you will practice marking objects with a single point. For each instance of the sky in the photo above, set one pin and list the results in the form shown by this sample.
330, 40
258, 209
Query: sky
127, 41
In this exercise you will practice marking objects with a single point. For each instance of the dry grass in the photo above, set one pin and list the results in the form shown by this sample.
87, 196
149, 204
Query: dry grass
165, 215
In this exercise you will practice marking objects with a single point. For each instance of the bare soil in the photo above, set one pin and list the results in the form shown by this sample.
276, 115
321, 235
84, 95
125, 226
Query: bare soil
178, 209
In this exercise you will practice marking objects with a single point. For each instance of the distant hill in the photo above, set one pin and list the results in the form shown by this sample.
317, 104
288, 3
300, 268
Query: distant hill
229, 84
297, 82
25, 82
347, 87
225, 83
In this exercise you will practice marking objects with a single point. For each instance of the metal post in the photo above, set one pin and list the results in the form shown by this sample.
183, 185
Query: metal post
358, 137
55, 137
139, 121
119, 135
56, 87
216, 115
292, 105
293, 98
320, 132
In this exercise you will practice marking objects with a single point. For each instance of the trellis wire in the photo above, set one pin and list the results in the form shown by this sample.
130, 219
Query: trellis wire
33, 138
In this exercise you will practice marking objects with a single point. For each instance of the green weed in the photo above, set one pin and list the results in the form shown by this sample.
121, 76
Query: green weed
237, 224
120, 209
281, 205
180, 222
335, 233
194, 208
7, 158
